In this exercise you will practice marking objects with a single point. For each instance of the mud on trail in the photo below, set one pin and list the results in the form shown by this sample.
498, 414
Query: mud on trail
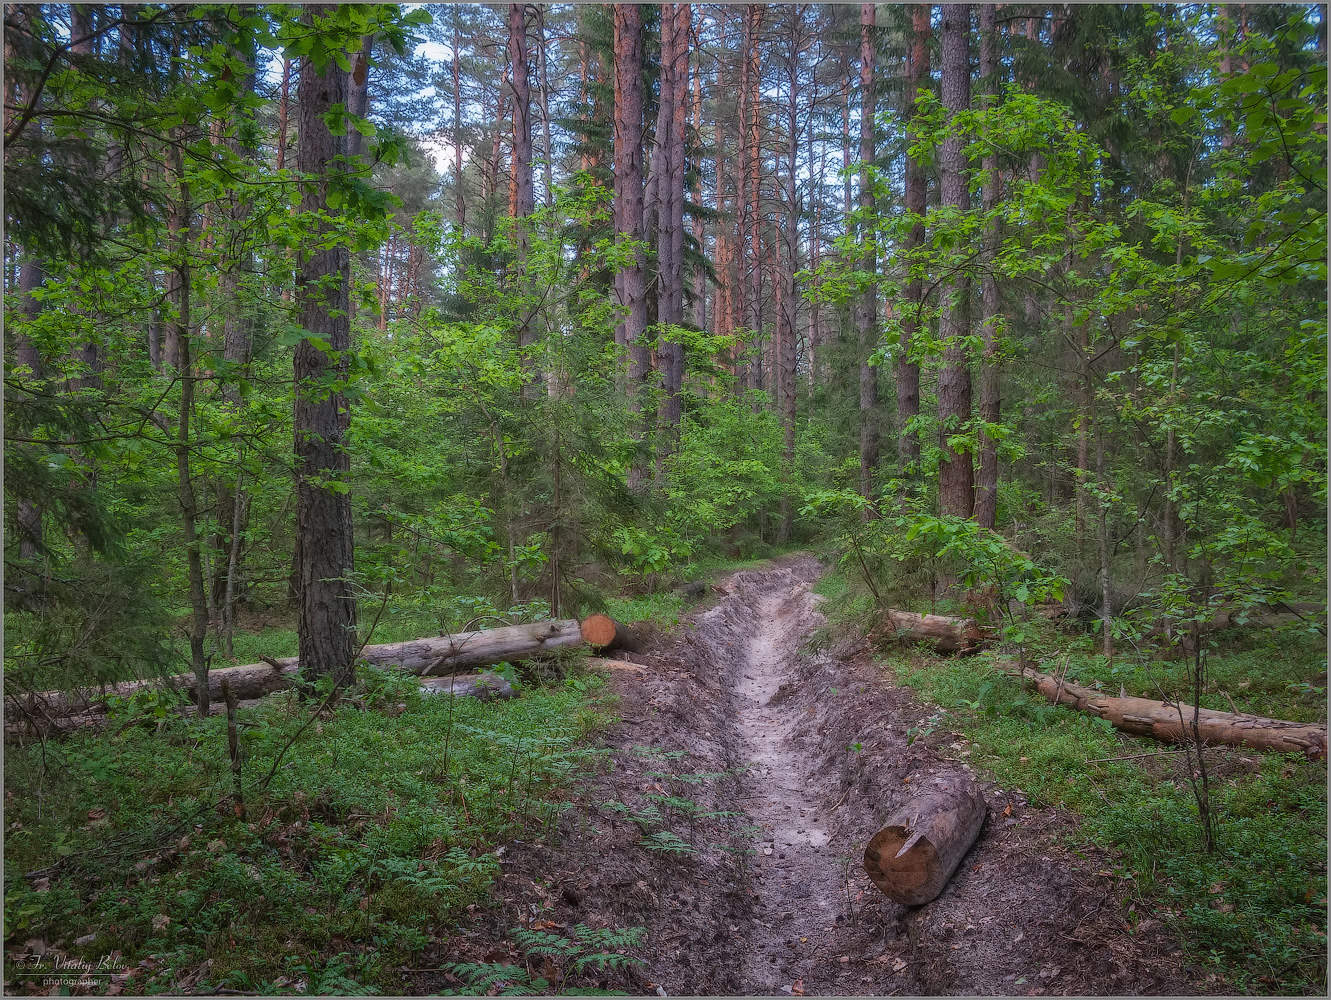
747, 774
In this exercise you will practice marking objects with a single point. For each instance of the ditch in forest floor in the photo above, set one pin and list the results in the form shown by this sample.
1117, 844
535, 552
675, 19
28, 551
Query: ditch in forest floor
732, 715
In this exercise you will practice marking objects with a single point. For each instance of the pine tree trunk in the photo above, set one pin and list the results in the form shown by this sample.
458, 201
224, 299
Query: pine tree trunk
629, 214
327, 618
675, 23
986, 492
787, 320
908, 372
180, 234
955, 476
866, 310
455, 64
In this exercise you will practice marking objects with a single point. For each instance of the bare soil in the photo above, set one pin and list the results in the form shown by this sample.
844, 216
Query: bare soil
814, 749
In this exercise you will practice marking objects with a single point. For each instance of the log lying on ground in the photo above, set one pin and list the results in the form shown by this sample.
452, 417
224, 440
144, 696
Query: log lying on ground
946, 634
432, 655
607, 635
1277, 616
912, 857
1146, 717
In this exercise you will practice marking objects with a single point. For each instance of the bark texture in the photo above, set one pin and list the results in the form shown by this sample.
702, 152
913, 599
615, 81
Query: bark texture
327, 619
866, 308
908, 372
986, 491
1172, 722
917, 851
956, 490
944, 633
631, 281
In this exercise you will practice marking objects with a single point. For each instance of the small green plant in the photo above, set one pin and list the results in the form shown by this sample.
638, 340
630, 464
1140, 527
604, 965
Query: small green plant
573, 957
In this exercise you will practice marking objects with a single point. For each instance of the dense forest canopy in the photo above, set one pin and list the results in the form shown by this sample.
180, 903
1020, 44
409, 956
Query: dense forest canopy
624, 283
329, 327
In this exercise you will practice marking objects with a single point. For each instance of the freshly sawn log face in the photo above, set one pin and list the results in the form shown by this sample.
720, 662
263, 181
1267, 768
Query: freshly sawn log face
607, 635
944, 633
914, 855
1172, 723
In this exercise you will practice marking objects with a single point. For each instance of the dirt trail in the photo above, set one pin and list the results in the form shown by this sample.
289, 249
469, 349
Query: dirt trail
798, 875
815, 749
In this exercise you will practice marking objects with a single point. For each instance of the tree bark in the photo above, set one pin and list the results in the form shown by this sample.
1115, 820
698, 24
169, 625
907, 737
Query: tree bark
430, 655
986, 492
866, 310
955, 476
180, 232
908, 371
946, 634
675, 23
1172, 722
327, 620
787, 318
917, 851
629, 216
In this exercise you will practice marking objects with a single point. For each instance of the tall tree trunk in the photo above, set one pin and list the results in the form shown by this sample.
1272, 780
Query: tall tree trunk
908, 371
700, 271
283, 114
327, 621
955, 476
29, 510
787, 319
543, 84
236, 350
986, 492
198, 599
521, 194
455, 65
866, 310
629, 213
358, 97
675, 26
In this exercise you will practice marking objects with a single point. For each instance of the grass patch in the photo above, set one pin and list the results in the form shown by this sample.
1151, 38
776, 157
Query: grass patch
1254, 911
367, 841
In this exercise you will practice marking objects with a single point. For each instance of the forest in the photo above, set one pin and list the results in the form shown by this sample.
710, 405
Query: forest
734, 499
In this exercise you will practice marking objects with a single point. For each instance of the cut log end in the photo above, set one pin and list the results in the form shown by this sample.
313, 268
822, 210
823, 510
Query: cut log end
900, 869
607, 635
599, 630
916, 852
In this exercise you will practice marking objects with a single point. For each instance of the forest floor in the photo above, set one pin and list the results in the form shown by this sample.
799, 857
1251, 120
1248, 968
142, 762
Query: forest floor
691, 824
732, 712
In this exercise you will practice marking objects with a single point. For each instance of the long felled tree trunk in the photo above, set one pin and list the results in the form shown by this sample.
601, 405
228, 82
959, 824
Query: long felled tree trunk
327, 620
908, 371
956, 490
629, 212
866, 309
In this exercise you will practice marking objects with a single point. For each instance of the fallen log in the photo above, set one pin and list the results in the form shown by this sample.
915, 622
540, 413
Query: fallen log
1171, 722
946, 634
431, 655
607, 635
484, 686
1276, 617
616, 665
914, 855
